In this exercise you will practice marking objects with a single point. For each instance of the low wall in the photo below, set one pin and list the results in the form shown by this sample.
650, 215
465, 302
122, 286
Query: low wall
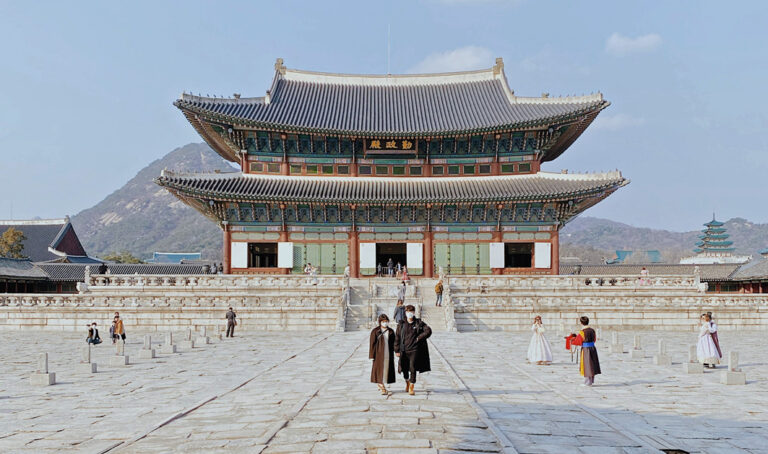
180, 302
668, 303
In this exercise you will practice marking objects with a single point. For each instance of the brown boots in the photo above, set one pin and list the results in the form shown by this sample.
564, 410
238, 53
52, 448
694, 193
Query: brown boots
411, 389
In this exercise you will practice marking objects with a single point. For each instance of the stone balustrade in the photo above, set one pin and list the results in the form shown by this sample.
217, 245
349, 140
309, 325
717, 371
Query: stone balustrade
468, 284
138, 282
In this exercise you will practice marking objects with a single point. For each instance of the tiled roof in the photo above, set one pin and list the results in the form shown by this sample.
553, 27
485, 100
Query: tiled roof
756, 269
387, 105
707, 272
76, 272
44, 234
38, 239
20, 269
255, 187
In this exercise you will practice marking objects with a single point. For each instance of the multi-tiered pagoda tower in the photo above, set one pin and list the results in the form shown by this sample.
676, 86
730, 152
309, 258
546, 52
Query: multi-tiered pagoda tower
713, 246
430, 170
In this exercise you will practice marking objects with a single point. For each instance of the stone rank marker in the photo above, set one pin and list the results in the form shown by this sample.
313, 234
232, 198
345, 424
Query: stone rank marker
147, 352
168, 347
86, 366
734, 375
41, 377
662, 359
120, 358
616, 346
203, 338
187, 343
693, 366
637, 348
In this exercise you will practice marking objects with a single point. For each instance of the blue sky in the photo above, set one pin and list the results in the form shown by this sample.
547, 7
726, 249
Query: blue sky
86, 89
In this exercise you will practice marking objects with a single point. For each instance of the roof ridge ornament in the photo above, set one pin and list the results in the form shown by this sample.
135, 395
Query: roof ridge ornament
498, 68
280, 67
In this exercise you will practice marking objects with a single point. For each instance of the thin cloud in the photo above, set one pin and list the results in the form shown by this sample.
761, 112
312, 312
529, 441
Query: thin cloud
618, 122
461, 59
620, 45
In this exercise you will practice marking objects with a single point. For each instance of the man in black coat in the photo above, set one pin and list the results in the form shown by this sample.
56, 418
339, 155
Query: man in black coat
411, 347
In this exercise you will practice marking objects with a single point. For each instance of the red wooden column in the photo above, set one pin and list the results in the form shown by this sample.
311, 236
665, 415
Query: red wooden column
227, 248
354, 254
556, 252
429, 256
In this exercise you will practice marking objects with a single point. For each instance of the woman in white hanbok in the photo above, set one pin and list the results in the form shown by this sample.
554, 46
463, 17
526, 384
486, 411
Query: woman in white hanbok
539, 351
706, 350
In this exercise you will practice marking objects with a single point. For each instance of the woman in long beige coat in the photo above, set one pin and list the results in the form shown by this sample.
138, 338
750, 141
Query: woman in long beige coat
382, 352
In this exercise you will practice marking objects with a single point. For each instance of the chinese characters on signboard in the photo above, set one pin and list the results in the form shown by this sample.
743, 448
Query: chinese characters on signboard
390, 146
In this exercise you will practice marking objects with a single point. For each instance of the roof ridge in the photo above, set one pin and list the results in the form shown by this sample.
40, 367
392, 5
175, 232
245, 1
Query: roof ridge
56, 221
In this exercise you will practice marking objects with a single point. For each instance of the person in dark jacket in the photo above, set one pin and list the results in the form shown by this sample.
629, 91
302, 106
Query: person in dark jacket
381, 350
93, 335
231, 322
411, 347
399, 314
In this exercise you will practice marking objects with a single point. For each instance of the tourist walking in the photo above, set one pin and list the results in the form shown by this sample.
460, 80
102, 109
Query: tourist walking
401, 292
119, 327
390, 267
406, 277
539, 351
411, 347
381, 351
589, 366
706, 350
231, 322
93, 335
399, 314
112, 334
439, 292
379, 270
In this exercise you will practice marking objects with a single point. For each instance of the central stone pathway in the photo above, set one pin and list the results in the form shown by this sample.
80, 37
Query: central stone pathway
322, 401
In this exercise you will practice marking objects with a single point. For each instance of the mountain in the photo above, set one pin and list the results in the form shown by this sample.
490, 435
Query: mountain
141, 217
604, 236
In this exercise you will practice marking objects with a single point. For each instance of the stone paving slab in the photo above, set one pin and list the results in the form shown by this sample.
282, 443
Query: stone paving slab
309, 392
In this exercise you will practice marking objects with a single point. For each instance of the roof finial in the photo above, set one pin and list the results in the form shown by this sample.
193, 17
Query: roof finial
279, 66
498, 67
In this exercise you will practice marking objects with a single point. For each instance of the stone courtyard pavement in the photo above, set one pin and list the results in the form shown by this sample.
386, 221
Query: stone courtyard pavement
309, 392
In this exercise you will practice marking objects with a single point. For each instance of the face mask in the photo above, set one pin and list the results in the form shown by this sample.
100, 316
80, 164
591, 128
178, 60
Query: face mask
409, 314
384, 324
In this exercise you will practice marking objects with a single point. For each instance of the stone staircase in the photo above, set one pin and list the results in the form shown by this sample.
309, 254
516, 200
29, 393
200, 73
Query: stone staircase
372, 297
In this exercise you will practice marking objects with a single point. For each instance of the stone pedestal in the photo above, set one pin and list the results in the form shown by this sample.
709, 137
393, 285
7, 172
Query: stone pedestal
167, 349
616, 348
147, 354
118, 360
86, 368
728, 377
186, 345
734, 375
662, 360
203, 340
636, 354
42, 379
693, 368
